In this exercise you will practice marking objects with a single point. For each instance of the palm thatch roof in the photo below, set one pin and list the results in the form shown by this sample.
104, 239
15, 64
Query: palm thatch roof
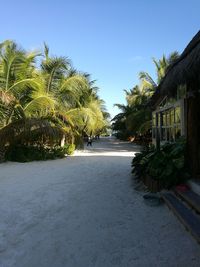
184, 71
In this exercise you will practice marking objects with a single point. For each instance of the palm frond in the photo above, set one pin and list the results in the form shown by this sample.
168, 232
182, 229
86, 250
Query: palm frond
40, 103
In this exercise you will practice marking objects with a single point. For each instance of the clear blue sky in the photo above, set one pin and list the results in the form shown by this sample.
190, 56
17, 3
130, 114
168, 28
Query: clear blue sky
111, 39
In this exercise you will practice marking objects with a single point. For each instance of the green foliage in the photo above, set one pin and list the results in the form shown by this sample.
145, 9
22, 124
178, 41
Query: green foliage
69, 149
140, 161
51, 93
135, 116
21, 153
166, 165
24, 153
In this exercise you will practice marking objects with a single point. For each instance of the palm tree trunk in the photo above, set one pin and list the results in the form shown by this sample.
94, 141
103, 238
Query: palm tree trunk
62, 142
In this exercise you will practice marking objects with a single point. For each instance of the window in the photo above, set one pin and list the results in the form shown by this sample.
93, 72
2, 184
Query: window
168, 123
177, 115
153, 119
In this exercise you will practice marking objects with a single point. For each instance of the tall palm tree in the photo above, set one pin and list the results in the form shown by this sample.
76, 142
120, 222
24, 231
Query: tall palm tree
47, 102
161, 65
15, 69
136, 116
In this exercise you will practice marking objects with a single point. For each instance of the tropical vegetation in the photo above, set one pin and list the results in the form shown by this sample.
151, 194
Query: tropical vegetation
157, 168
135, 117
45, 103
167, 166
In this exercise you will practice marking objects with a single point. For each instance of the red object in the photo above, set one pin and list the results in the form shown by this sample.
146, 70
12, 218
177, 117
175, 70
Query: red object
182, 187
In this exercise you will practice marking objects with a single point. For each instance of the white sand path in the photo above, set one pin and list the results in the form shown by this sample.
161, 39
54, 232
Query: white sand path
82, 211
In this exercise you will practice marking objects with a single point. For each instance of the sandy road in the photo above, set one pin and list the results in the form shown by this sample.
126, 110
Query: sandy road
82, 211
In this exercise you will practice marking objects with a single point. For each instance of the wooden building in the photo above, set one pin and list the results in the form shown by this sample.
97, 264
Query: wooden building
176, 104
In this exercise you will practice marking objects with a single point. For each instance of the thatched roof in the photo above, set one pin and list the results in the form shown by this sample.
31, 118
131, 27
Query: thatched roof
185, 70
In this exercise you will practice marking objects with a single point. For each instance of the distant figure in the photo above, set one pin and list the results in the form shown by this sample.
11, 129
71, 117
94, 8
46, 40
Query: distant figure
89, 141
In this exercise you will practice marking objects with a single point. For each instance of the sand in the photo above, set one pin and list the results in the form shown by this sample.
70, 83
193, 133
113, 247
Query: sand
82, 211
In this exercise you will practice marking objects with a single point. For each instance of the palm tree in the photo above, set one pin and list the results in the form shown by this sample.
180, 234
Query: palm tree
44, 103
136, 116
161, 65
19, 99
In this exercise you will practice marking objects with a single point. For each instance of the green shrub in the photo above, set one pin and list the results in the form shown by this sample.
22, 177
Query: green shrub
166, 165
58, 152
22, 153
69, 149
140, 161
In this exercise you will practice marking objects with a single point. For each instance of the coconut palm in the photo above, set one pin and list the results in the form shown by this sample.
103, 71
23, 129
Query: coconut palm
19, 99
161, 65
44, 103
136, 116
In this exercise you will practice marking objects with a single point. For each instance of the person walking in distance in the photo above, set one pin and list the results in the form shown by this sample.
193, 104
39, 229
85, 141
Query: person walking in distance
89, 141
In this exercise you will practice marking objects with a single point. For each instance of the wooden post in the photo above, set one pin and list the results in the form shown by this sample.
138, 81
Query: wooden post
193, 133
157, 133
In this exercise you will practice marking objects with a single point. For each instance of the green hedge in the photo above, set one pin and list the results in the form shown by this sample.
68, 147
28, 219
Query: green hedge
22, 153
